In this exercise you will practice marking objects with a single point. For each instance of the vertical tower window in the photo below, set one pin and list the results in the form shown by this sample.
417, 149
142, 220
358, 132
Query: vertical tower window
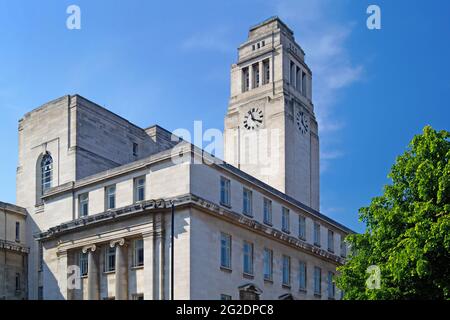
46, 172
255, 75
304, 83
343, 248
83, 204
266, 70
292, 74
245, 79
110, 197
298, 79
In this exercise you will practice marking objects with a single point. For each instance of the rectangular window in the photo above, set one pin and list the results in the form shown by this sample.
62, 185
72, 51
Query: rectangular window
83, 263
139, 189
17, 281
298, 79
303, 83
302, 276
138, 253
17, 231
285, 220
302, 227
292, 74
317, 280
266, 70
135, 149
255, 75
225, 250
247, 202
316, 234
110, 197
268, 264
245, 79
286, 270
83, 205
110, 259
331, 287
225, 297
343, 247
248, 257
267, 211
330, 241
225, 191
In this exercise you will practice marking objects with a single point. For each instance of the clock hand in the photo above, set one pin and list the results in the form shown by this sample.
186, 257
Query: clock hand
260, 121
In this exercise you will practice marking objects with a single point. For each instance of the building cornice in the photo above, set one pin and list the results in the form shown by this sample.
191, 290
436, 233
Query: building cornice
188, 200
13, 246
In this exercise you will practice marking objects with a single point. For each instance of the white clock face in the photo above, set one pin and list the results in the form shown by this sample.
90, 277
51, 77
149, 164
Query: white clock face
302, 121
253, 119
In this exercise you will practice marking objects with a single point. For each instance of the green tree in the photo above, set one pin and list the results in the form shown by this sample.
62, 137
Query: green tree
407, 228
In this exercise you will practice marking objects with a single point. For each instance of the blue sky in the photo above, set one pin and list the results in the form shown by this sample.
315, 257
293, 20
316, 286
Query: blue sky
168, 63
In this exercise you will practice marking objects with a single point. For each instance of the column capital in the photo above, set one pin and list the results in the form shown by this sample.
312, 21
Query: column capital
120, 242
90, 248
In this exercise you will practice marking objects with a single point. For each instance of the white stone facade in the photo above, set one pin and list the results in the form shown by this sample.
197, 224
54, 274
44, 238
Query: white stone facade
102, 204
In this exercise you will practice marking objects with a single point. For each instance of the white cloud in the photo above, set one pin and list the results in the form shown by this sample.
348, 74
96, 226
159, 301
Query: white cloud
324, 40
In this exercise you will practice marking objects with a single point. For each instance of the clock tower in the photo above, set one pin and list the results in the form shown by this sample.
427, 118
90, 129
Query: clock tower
270, 128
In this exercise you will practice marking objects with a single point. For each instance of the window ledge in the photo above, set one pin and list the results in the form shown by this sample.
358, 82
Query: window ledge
317, 245
268, 281
109, 272
302, 291
137, 267
317, 295
226, 269
267, 223
286, 231
248, 215
248, 275
225, 205
331, 251
286, 286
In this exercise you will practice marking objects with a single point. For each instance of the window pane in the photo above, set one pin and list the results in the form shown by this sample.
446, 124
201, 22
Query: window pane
302, 227
302, 276
268, 261
317, 280
286, 270
138, 252
248, 257
225, 250
267, 211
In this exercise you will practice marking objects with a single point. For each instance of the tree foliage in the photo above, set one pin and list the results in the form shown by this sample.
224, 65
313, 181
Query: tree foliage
407, 228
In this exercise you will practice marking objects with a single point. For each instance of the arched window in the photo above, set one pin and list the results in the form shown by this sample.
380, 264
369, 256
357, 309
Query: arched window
46, 172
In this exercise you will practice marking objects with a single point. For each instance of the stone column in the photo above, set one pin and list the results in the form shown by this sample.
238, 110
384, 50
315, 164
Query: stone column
250, 76
121, 269
93, 273
149, 268
63, 278
261, 73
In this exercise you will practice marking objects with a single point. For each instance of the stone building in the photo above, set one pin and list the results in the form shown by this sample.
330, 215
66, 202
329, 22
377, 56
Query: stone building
13, 252
99, 192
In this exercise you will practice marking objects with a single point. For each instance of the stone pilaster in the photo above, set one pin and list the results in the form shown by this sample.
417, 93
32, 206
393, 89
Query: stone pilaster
149, 268
93, 273
121, 269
